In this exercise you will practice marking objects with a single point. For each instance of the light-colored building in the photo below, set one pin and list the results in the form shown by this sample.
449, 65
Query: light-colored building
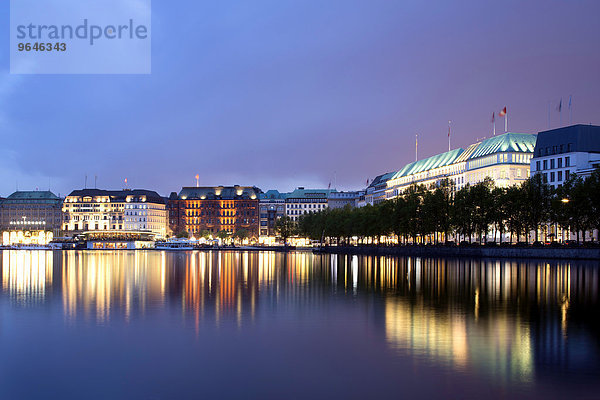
302, 201
343, 199
124, 211
570, 150
271, 208
504, 158
30, 217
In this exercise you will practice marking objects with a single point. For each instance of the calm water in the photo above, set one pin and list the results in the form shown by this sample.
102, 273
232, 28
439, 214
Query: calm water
164, 325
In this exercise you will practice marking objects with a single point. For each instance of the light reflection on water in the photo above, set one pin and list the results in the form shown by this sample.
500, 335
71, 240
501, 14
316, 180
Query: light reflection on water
509, 322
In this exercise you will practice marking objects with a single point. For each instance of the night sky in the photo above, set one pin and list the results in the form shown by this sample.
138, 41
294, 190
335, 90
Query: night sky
280, 94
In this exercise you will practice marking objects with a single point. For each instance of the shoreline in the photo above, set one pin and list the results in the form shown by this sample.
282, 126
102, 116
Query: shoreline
468, 252
401, 251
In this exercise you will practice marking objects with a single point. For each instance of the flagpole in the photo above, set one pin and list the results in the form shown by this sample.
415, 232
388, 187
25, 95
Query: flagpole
506, 122
570, 111
449, 135
416, 146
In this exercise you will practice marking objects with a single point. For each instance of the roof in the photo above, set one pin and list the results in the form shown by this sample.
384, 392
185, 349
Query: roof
378, 180
437, 161
219, 192
119, 195
577, 138
302, 193
273, 195
507, 142
31, 196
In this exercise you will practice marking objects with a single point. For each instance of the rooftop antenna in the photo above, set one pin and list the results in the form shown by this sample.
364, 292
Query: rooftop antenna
125, 183
95, 181
334, 179
571, 110
85, 183
197, 180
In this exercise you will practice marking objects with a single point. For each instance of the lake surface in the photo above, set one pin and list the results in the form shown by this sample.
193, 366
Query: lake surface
179, 325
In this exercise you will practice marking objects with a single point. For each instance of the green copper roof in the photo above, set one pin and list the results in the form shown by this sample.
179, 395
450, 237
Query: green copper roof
437, 161
508, 142
31, 196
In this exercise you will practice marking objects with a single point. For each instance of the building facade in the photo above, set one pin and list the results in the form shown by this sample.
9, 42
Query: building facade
504, 158
302, 201
271, 208
564, 151
30, 214
343, 199
134, 210
196, 210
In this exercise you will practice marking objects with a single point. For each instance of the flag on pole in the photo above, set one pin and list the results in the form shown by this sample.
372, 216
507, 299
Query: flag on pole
493, 117
367, 183
504, 113
559, 107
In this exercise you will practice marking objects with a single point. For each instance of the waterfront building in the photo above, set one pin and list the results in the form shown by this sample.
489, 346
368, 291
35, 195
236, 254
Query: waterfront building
302, 201
272, 207
564, 151
115, 212
30, 217
196, 210
343, 199
504, 158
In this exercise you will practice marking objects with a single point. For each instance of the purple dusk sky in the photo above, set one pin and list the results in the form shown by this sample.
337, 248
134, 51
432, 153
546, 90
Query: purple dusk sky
280, 94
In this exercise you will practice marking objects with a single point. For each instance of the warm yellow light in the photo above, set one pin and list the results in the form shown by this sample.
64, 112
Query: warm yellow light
565, 200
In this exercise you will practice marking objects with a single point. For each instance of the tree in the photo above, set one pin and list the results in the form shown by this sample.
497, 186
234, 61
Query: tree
241, 235
537, 196
182, 234
223, 235
592, 189
286, 227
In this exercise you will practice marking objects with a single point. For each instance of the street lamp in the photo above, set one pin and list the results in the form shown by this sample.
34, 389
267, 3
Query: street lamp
565, 200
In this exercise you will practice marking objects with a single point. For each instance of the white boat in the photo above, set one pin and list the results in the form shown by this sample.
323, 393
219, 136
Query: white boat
174, 245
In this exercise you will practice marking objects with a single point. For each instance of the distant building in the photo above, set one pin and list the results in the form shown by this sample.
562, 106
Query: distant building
564, 151
134, 210
504, 158
343, 199
24, 214
302, 201
214, 209
271, 208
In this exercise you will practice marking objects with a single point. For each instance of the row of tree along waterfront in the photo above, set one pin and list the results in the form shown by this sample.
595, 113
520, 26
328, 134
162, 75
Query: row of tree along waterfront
532, 211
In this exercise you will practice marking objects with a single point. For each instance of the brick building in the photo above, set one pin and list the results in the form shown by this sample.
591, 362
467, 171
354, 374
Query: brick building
214, 209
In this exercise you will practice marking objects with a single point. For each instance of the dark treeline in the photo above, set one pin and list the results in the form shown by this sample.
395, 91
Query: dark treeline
532, 211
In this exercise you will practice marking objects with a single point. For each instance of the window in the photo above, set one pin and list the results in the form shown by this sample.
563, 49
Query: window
567, 173
552, 166
559, 162
559, 176
537, 166
545, 164
552, 176
567, 161
545, 178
